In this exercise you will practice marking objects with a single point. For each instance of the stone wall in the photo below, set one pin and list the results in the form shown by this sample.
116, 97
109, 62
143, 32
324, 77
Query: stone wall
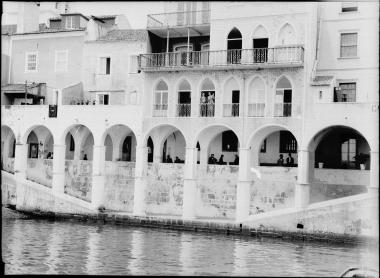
8, 189
40, 171
164, 192
119, 185
78, 179
8, 164
216, 191
274, 190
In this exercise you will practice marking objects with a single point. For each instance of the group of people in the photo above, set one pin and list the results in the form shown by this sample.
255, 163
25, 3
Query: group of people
207, 104
213, 160
170, 160
289, 160
49, 155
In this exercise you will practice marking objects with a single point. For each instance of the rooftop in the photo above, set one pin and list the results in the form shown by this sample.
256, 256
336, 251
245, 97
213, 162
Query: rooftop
125, 35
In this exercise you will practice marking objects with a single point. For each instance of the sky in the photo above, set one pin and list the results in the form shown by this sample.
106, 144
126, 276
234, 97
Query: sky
135, 11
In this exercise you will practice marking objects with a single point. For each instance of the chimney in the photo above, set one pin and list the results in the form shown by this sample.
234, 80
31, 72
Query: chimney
28, 17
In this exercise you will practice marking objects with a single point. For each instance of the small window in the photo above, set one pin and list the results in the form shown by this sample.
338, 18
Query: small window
346, 92
61, 59
349, 151
31, 61
70, 22
105, 65
103, 99
349, 7
348, 44
288, 144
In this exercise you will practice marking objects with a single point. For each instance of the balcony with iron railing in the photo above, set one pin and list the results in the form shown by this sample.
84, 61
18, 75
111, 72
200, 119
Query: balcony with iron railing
178, 19
207, 110
184, 110
283, 109
231, 110
223, 59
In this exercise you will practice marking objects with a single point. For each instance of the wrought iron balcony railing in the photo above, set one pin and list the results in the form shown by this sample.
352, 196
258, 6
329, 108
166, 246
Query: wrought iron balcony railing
184, 110
283, 109
231, 110
222, 58
178, 19
256, 109
207, 110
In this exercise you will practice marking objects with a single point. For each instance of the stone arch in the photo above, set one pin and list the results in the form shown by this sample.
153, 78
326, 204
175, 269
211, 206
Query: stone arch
211, 133
8, 147
286, 35
256, 140
159, 134
326, 146
83, 142
39, 134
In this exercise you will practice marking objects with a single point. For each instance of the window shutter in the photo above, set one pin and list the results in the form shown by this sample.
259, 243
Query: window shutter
133, 63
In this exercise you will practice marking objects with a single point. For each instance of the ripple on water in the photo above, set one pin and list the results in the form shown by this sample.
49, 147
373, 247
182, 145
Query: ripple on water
44, 247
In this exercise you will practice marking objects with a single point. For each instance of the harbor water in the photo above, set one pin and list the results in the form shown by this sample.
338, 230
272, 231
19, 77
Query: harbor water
35, 246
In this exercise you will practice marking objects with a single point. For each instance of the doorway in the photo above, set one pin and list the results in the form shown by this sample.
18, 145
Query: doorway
260, 50
184, 101
235, 103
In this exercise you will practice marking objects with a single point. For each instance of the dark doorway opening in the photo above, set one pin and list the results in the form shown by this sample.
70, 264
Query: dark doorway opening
260, 50
127, 149
150, 149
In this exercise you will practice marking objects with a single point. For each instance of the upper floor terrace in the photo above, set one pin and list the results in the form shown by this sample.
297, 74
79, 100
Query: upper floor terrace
288, 56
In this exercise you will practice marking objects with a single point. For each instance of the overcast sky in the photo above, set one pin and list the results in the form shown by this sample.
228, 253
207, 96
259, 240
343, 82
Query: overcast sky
136, 12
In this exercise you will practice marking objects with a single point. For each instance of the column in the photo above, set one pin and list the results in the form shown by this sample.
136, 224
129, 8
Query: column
20, 163
374, 173
58, 182
302, 190
243, 195
157, 151
98, 178
190, 184
139, 204
20, 172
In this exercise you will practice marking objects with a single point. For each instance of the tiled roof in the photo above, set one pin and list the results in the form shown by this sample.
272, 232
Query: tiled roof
125, 35
322, 80
105, 16
51, 31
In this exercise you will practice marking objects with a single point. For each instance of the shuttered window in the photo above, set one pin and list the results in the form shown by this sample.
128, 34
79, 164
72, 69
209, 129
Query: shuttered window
348, 44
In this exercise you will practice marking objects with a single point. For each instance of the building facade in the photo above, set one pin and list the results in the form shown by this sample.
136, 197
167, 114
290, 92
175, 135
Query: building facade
217, 110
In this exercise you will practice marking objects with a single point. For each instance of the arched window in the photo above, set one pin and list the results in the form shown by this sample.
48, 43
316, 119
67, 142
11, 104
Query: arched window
231, 98
234, 45
283, 98
256, 104
207, 105
184, 99
260, 45
160, 106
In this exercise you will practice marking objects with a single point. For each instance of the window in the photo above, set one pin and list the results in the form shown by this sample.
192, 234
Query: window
69, 22
348, 44
288, 143
161, 100
31, 61
61, 57
349, 7
102, 99
105, 65
349, 151
346, 92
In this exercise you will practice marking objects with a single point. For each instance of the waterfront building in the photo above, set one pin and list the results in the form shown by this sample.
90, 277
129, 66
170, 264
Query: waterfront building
249, 81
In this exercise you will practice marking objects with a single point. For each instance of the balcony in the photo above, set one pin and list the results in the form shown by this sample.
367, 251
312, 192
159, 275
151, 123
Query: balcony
283, 109
231, 110
256, 109
178, 19
184, 110
224, 59
160, 110
207, 110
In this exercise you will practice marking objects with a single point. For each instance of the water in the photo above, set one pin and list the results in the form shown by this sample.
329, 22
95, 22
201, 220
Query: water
31, 246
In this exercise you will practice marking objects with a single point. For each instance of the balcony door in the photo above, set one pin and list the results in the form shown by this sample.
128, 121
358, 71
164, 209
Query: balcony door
260, 50
235, 103
184, 101
181, 54
234, 45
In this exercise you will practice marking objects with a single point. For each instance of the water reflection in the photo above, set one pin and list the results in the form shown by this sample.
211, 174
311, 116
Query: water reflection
43, 247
